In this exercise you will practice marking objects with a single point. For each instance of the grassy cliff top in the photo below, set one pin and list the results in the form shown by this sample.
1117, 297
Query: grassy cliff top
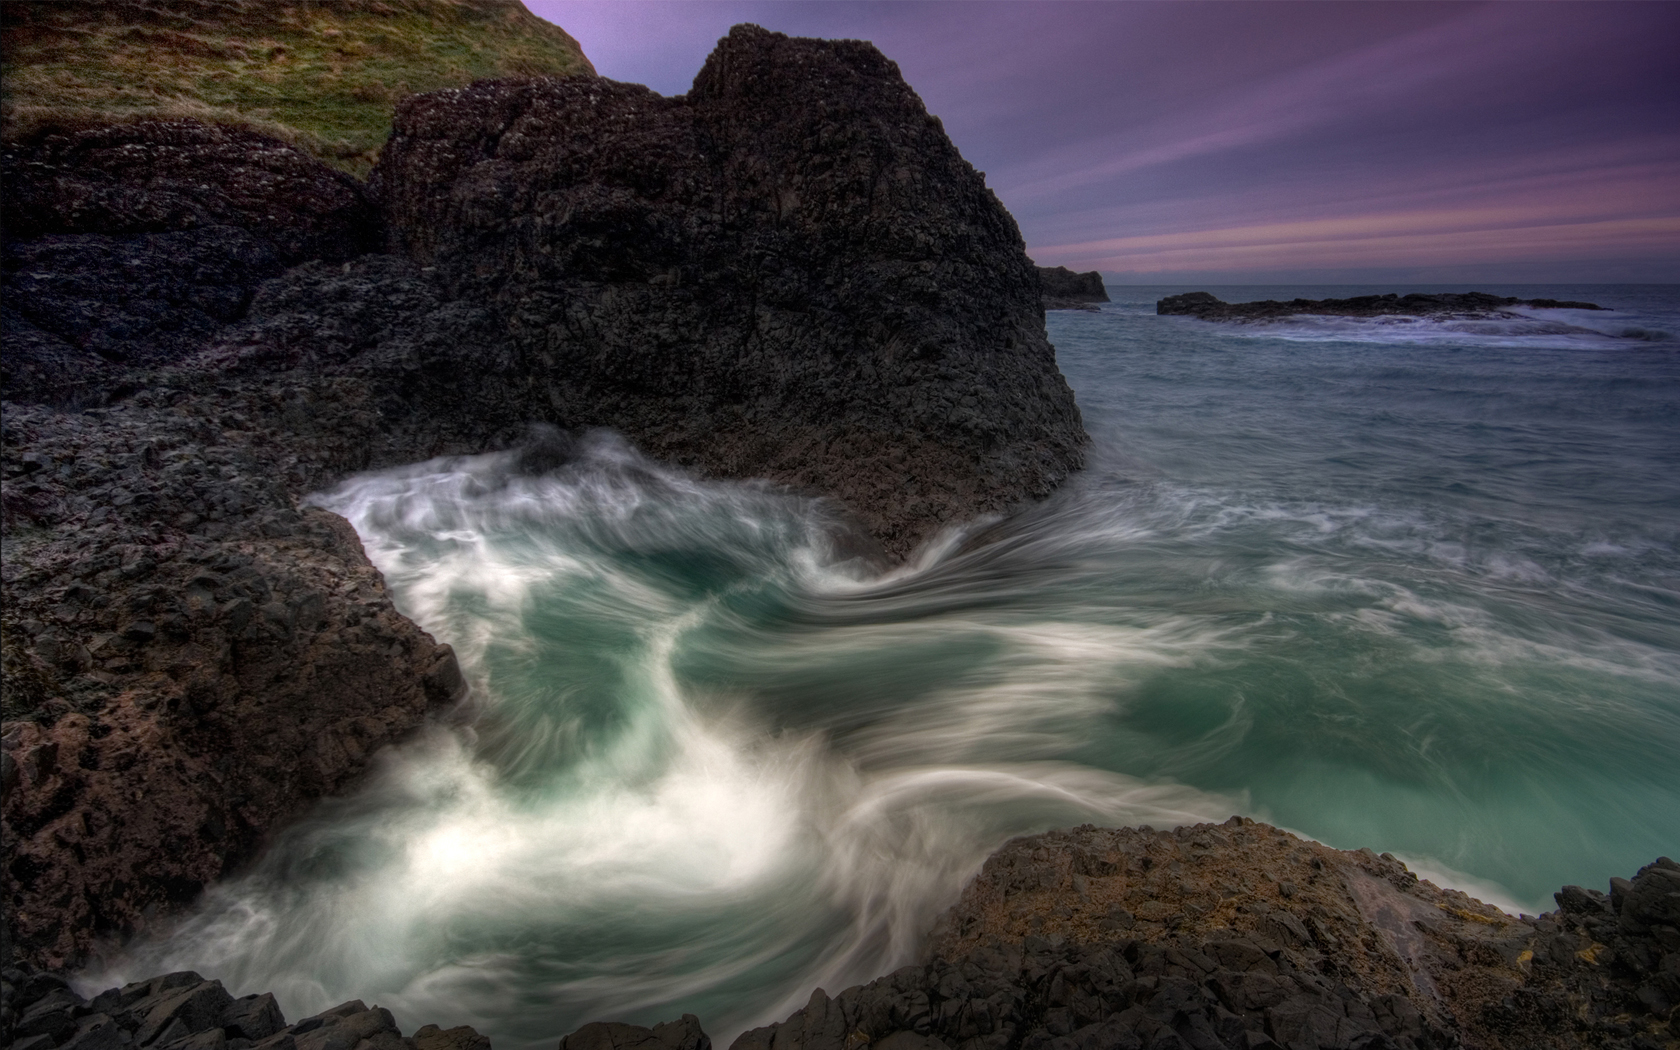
323, 74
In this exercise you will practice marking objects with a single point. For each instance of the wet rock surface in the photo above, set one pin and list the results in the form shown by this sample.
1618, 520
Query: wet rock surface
787, 273
1066, 290
1462, 306
189, 659
1213, 937
183, 1011
1242, 936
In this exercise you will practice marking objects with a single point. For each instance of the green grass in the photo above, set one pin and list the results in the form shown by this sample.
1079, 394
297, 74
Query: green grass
323, 75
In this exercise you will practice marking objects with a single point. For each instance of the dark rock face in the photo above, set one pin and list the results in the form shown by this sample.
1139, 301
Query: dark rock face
82, 310
129, 246
158, 176
189, 659
1243, 936
183, 1011
1447, 304
788, 273
1066, 290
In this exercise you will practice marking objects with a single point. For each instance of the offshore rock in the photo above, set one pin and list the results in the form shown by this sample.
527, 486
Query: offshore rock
1066, 290
787, 273
1462, 306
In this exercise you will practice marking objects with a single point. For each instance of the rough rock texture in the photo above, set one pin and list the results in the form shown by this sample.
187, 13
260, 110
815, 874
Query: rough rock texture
789, 273
1213, 937
131, 246
1066, 290
188, 659
1242, 936
155, 176
684, 1034
183, 1011
1466, 305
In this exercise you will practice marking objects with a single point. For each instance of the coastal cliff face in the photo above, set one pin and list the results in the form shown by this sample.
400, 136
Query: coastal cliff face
790, 273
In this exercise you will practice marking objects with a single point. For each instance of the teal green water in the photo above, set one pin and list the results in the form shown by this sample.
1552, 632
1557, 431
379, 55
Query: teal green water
1413, 586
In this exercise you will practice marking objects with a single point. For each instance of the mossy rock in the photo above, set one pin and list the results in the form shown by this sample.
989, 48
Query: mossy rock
324, 75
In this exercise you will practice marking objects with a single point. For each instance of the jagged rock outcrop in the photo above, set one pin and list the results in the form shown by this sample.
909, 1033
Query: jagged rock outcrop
189, 659
183, 1011
1243, 936
789, 273
131, 246
1215, 937
1066, 290
1460, 305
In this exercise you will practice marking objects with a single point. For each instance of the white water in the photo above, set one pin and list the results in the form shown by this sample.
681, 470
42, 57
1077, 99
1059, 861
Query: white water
1418, 594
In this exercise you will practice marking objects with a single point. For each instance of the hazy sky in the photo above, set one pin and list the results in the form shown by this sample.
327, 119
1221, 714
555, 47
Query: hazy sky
1257, 141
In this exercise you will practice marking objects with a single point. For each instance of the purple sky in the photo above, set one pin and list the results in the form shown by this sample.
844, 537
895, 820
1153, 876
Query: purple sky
1256, 141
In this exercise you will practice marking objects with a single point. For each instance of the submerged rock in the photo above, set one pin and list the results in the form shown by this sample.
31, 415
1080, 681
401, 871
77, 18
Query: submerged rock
1465, 305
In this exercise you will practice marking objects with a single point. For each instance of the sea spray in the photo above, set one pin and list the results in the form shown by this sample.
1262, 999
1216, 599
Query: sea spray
1416, 594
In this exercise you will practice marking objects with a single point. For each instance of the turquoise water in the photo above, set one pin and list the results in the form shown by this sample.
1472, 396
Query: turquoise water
1413, 586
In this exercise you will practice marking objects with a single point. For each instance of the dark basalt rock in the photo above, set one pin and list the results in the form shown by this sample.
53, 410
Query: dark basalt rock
1242, 936
1065, 290
1236, 936
1206, 306
159, 176
787, 273
183, 1011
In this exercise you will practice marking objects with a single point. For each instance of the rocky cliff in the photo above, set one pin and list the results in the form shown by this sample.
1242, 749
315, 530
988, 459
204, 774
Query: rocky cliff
789, 273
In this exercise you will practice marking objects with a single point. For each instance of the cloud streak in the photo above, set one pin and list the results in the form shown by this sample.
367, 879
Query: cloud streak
1263, 137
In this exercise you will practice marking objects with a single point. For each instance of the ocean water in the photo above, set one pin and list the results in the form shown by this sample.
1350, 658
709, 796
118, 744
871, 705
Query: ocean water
1399, 584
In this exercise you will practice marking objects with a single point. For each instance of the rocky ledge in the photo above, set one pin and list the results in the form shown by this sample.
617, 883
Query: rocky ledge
1066, 290
788, 273
1454, 305
1212, 937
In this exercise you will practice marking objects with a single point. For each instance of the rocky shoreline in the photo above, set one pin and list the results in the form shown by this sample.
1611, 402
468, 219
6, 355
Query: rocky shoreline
1236, 936
1444, 305
788, 273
